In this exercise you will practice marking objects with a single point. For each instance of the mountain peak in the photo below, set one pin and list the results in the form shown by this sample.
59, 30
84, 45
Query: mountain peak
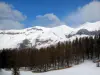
90, 26
43, 36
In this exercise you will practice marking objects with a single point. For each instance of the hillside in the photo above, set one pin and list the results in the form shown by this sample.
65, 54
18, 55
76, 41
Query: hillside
42, 36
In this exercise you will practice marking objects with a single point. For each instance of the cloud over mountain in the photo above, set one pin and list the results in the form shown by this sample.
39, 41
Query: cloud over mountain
88, 13
49, 19
10, 18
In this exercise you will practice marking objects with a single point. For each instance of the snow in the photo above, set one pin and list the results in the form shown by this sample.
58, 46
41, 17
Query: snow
12, 38
89, 26
86, 68
56, 34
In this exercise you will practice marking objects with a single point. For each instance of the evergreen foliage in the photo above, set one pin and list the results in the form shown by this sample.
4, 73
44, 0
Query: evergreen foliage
62, 55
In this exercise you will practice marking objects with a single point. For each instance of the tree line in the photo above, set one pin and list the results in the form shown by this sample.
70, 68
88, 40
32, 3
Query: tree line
59, 56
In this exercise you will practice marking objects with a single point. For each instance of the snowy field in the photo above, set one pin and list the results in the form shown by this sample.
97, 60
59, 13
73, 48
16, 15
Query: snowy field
86, 68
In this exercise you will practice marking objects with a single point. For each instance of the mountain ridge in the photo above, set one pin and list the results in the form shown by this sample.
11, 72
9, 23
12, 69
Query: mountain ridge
43, 36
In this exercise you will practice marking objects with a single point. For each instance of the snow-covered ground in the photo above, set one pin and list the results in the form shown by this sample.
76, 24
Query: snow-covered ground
86, 68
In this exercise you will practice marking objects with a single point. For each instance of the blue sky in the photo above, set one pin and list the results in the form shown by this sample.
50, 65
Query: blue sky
37, 12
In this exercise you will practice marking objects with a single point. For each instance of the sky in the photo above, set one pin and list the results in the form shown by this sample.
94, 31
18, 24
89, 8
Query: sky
18, 14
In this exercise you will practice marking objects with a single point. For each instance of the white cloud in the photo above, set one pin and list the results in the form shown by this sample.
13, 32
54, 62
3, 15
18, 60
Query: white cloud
47, 20
88, 13
9, 17
10, 24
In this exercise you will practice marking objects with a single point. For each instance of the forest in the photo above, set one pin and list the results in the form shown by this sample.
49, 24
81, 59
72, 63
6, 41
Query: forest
59, 56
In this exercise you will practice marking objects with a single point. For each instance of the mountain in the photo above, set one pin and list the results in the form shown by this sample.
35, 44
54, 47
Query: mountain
43, 36
88, 26
38, 36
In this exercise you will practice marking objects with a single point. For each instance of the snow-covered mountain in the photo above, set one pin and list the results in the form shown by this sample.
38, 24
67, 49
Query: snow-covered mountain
42, 36
88, 26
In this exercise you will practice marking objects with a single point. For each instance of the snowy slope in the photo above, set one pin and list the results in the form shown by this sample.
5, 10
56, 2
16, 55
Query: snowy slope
86, 68
89, 26
42, 36
38, 36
